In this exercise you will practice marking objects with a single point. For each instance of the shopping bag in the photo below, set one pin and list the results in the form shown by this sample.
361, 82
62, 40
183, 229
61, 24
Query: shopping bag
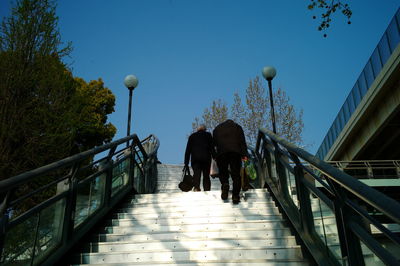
187, 180
214, 171
244, 179
250, 170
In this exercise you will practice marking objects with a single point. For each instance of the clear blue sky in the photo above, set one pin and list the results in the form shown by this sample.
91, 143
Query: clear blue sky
187, 53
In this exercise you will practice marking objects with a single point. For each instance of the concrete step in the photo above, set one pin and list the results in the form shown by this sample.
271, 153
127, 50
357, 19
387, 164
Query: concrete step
205, 211
254, 262
195, 206
128, 234
157, 228
261, 192
198, 196
192, 202
183, 255
194, 220
184, 211
156, 246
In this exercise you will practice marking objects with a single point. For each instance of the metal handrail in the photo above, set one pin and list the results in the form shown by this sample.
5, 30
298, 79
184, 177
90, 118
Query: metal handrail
347, 198
110, 181
9, 183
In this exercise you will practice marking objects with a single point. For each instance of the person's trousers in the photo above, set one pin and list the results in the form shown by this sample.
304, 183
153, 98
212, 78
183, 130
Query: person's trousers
234, 162
201, 168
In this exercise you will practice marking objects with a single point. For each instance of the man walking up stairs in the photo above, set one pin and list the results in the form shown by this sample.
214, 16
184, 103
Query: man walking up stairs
193, 228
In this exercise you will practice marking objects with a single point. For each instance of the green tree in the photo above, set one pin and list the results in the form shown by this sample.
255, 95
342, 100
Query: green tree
255, 114
45, 113
95, 102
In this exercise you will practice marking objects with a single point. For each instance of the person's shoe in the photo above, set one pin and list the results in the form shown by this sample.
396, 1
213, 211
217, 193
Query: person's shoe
235, 199
225, 191
196, 189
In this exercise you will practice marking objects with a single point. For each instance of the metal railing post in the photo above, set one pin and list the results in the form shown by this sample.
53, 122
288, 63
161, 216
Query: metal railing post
108, 183
109, 175
131, 168
70, 205
269, 162
3, 221
3, 224
280, 172
303, 196
349, 243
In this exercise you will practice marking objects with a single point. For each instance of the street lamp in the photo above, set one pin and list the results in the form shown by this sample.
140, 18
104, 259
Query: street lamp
131, 83
269, 73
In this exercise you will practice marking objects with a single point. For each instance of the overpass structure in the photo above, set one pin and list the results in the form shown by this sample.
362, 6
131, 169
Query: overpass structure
367, 126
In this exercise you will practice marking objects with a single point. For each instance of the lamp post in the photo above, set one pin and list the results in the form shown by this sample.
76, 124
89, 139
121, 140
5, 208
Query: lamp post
269, 73
131, 83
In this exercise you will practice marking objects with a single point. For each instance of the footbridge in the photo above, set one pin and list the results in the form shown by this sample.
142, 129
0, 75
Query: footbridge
118, 205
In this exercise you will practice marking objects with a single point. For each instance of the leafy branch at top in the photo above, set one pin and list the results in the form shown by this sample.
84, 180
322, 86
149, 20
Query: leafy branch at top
328, 9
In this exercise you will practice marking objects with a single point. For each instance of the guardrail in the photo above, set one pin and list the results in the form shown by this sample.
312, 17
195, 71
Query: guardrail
371, 169
46, 211
336, 220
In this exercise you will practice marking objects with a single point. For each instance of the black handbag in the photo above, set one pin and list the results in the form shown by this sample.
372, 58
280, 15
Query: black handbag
187, 181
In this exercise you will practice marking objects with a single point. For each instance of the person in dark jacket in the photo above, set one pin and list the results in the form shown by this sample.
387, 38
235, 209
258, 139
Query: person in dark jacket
200, 149
231, 149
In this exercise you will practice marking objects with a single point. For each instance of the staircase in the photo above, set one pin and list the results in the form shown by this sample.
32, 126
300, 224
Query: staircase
193, 228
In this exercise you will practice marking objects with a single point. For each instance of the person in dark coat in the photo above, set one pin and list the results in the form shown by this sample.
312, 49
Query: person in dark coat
231, 147
200, 150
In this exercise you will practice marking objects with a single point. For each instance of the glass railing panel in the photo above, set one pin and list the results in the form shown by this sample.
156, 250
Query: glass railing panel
398, 17
376, 62
327, 138
291, 183
384, 49
325, 226
120, 176
330, 137
97, 193
350, 103
326, 148
337, 126
346, 112
342, 119
357, 95
393, 34
369, 74
138, 179
89, 198
49, 230
385, 242
362, 85
139, 155
19, 241
369, 257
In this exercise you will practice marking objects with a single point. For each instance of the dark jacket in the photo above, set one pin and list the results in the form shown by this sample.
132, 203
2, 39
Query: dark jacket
229, 137
200, 147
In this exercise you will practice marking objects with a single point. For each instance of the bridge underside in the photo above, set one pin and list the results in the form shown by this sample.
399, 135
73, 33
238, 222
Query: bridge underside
373, 131
384, 144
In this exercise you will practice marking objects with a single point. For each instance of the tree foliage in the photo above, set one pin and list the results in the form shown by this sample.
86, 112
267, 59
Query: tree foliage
328, 8
95, 102
254, 113
46, 114
212, 116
